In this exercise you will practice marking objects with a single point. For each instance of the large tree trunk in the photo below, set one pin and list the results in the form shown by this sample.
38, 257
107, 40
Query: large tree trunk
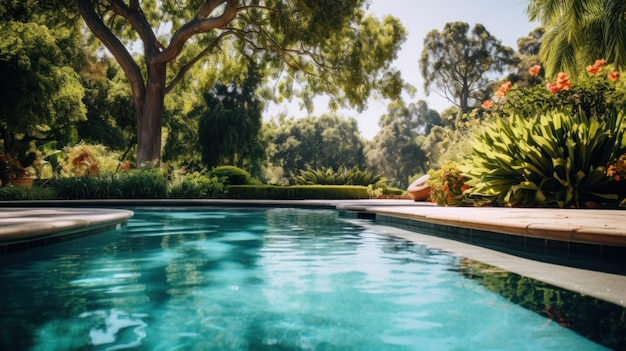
149, 121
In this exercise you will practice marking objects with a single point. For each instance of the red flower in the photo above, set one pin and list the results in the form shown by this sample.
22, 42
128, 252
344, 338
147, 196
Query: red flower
534, 70
614, 76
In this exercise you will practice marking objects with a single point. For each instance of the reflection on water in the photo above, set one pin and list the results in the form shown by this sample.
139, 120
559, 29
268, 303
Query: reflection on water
597, 320
277, 279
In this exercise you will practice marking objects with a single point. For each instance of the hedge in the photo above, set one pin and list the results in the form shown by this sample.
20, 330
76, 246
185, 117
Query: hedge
297, 192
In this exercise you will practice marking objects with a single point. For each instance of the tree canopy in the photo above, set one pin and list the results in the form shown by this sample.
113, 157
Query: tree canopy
326, 46
316, 143
459, 64
395, 150
40, 87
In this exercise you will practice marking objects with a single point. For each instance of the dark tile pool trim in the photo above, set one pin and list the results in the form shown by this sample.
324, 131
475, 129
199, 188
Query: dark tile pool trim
610, 259
56, 238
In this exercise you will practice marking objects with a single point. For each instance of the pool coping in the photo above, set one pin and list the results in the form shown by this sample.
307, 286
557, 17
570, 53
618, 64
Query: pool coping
594, 232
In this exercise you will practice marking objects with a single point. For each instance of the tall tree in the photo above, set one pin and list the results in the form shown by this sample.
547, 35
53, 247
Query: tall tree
230, 124
395, 151
458, 64
329, 46
578, 32
317, 143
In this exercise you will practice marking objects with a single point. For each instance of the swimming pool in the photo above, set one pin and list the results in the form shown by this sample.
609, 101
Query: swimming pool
264, 279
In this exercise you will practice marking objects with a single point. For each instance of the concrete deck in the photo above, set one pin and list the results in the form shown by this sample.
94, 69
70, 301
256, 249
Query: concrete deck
603, 229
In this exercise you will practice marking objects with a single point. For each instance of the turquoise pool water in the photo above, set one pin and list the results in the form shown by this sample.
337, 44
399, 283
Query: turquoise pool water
272, 279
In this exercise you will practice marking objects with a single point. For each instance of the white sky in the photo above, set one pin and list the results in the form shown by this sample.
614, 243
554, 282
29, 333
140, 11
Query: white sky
504, 19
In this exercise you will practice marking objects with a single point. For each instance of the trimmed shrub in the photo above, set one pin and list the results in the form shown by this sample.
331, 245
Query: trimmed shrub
195, 186
341, 177
297, 192
231, 175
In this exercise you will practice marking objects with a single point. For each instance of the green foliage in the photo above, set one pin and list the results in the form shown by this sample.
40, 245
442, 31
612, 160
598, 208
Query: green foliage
551, 160
396, 149
150, 184
341, 177
316, 143
578, 32
297, 192
231, 175
12, 193
195, 186
40, 95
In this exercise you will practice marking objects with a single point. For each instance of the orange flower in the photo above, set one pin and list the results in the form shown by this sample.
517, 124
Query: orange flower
596, 67
562, 83
534, 70
614, 76
503, 89
552, 87
487, 104
592, 69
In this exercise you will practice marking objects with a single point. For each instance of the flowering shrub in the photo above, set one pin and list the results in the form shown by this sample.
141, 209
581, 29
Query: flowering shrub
90, 160
599, 94
11, 168
447, 186
553, 145
617, 169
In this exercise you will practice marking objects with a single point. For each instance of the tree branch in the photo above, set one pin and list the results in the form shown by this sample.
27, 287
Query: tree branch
199, 25
134, 15
186, 67
117, 49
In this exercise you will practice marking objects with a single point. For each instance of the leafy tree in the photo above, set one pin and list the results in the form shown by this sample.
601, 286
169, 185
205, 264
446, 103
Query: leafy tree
579, 32
459, 64
395, 150
40, 92
328, 46
311, 142
230, 125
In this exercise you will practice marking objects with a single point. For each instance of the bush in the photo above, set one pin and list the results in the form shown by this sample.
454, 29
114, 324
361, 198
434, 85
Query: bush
13, 193
195, 186
231, 175
297, 192
341, 177
149, 184
448, 187
553, 160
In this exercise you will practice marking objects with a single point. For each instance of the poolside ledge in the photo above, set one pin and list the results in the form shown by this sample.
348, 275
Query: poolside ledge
23, 228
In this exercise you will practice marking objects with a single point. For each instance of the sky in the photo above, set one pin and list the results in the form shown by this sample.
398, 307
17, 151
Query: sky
504, 19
